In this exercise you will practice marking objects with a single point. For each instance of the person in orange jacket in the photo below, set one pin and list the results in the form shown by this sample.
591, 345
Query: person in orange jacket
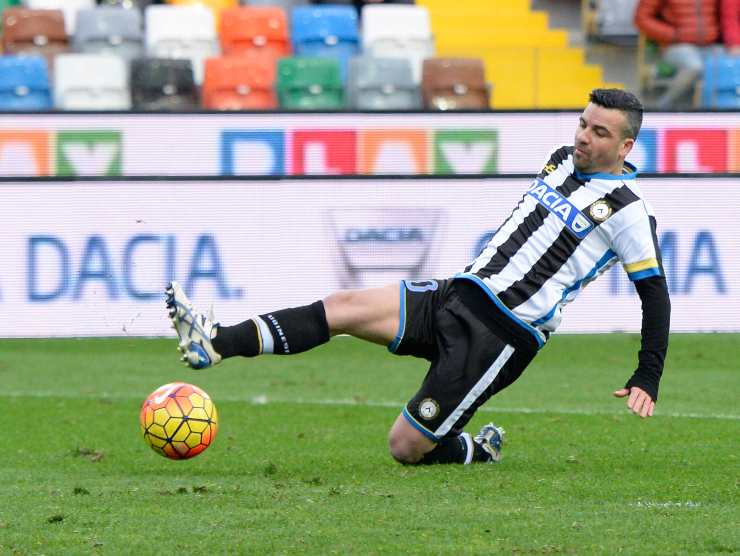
685, 29
730, 24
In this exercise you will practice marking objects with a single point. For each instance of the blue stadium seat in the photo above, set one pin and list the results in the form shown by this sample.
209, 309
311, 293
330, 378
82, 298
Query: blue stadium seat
721, 87
326, 32
24, 83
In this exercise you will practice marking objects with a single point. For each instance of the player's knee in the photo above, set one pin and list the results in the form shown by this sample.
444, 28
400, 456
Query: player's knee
337, 306
403, 449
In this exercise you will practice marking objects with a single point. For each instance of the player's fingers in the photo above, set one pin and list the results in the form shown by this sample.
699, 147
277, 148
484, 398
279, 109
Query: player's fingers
621, 393
634, 393
645, 406
652, 408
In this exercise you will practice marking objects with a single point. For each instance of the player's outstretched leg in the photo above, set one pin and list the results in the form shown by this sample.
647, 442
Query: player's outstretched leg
284, 332
194, 329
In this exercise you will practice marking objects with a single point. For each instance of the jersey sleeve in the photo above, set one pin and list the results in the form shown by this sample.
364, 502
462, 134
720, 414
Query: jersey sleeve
635, 243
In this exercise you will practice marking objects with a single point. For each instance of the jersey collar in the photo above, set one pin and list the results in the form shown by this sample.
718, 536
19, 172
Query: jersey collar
630, 174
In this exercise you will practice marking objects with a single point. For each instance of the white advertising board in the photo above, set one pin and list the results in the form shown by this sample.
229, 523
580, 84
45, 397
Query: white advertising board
341, 143
92, 258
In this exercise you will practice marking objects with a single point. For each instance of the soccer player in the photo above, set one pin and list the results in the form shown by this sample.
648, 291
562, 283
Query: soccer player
481, 328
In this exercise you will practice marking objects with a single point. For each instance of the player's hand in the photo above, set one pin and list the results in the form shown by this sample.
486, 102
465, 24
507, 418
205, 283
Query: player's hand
639, 401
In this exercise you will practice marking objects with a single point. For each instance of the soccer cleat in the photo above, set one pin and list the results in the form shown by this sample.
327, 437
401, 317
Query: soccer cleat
491, 439
194, 329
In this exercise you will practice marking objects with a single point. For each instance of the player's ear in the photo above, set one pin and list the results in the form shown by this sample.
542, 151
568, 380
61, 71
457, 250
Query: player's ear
626, 146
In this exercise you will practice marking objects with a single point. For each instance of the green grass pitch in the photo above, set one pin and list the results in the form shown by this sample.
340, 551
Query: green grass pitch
300, 464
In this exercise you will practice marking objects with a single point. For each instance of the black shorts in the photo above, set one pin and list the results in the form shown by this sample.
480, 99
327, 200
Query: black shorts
470, 361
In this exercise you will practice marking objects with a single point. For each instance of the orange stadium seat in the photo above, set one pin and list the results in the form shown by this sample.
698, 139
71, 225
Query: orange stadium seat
240, 83
255, 28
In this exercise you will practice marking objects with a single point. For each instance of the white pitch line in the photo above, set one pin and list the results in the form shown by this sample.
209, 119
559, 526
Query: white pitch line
492, 408
263, 400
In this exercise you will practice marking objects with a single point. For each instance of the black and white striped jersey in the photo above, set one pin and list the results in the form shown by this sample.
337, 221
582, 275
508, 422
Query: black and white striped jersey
567, 230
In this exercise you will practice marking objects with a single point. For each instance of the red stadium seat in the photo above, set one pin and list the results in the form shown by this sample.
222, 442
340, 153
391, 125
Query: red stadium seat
240, 82
261, 28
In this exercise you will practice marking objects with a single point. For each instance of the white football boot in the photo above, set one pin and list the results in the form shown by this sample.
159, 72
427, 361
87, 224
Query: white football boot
194, 329
491, 439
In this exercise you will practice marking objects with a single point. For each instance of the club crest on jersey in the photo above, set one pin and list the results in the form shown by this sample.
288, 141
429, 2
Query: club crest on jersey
600, 210
561, 207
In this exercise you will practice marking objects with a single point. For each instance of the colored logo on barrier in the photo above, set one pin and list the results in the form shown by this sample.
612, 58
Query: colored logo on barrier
465, 151
24, 153
343, 152
89, 153
324, 152
252, 153
695, 150
393, 151
735, 150
644, 154
71, 153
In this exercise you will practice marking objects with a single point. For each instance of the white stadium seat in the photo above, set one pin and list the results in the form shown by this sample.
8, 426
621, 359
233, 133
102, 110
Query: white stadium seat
91, 82
182, 32
398, 31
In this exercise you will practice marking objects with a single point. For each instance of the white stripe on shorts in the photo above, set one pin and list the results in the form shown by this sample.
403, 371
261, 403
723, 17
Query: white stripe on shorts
485, 381
268, 344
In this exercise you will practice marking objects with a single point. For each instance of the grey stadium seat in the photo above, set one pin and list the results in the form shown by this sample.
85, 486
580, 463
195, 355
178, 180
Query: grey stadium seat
287, 5
382, 84
109, 30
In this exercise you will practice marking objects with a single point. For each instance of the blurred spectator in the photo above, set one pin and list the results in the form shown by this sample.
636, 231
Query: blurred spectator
684, 29
730, 23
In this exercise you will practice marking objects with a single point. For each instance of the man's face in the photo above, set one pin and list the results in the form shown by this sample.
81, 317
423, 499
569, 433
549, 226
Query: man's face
599, 144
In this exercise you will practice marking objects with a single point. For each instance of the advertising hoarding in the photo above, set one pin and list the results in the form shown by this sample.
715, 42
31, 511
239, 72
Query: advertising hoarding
261, 144
92, 258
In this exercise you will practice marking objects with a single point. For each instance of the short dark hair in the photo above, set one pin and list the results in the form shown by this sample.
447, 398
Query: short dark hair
623, 101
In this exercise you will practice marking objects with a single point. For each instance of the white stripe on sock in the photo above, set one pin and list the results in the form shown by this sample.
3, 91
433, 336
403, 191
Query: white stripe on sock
268, 344
469, 446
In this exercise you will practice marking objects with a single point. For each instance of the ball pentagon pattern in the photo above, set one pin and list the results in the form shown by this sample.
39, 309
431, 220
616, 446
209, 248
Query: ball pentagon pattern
178, 420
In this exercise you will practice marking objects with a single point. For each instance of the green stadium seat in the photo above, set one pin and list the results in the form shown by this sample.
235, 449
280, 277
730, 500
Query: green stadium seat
309, 84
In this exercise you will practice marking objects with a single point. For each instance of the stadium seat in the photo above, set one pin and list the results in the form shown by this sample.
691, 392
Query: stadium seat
260, 28
182, 32
163, 84
91, 82
381, 84
68, 7
7, 4
243, 82
287, 5
108, 30
721, 82
309, 84
141, 4
397, 31
454, 84
611, 20
326, 32
216, 6
39, 32
24, 83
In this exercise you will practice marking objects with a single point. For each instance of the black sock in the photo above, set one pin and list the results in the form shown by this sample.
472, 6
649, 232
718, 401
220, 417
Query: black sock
282, 332
455, 450
449, 450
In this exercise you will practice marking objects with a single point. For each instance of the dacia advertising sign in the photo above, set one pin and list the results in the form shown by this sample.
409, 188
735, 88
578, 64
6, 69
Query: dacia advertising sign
93, 258
341, 144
